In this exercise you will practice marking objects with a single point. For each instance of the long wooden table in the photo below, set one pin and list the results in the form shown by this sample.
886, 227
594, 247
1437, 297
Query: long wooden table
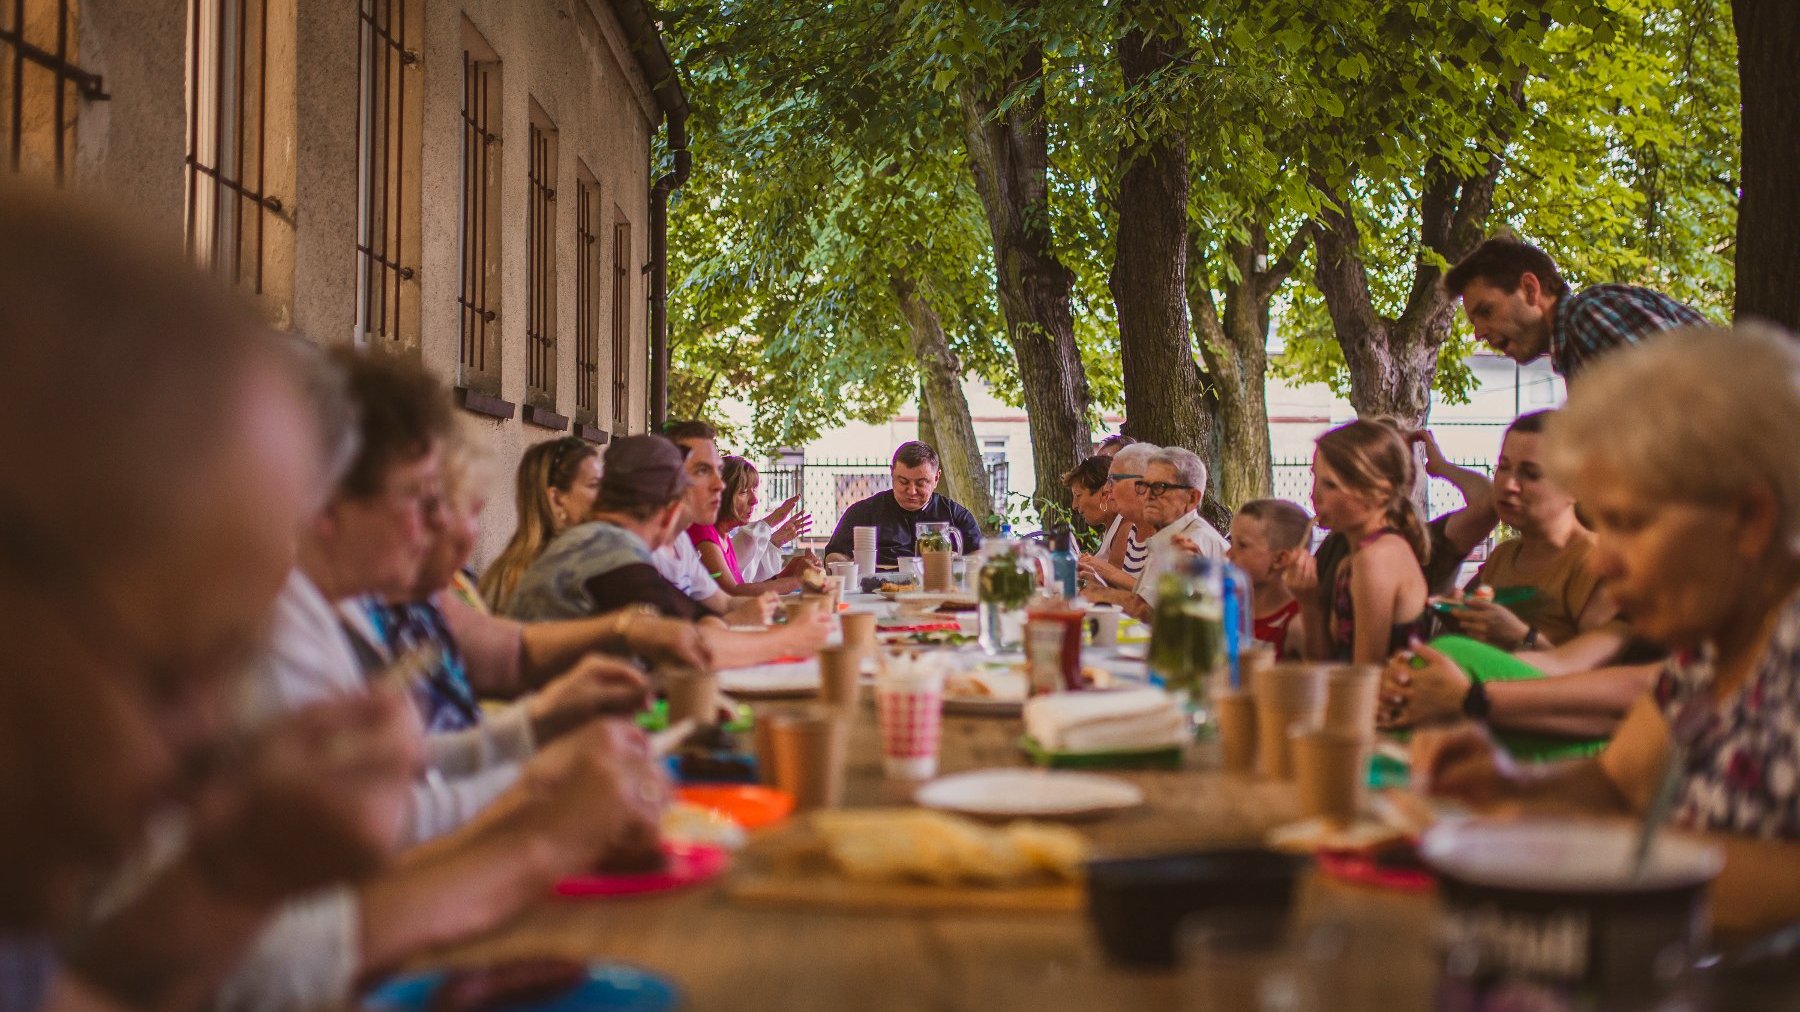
724, 955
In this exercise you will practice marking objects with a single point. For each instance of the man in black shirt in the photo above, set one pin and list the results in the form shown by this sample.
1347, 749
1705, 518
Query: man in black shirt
912, 500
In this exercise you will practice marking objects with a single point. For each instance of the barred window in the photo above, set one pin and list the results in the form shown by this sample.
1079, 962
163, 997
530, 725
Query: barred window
41, 86
540, 262
587, 295
388, 153
621, 327
240, 146
478, 301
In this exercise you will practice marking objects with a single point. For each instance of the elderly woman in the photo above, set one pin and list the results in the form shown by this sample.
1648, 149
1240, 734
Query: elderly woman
1685, 452
1171, 487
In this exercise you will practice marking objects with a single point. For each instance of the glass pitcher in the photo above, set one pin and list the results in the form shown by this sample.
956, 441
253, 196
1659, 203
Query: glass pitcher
1013, 572
1199, 628
937, 536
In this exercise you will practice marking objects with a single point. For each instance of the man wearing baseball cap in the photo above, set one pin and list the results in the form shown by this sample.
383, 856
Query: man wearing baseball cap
609, 562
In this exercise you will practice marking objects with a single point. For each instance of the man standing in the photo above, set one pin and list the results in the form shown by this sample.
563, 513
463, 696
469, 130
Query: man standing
912, 500
1520, 306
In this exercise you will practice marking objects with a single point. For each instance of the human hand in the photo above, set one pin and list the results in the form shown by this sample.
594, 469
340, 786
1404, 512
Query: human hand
320, 796
758, 610
595, 686
1464, 762
808, 635
656, 638
781, 512
1302, 574
1491, 623
800, 564
1435, 461
594, 793
795, 526
1186, 544
1420, 686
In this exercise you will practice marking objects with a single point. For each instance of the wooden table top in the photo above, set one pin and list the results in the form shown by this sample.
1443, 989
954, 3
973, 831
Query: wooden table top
724, 955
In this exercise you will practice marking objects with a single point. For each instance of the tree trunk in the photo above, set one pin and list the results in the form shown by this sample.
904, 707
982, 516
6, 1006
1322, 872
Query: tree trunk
1009, 158
940, 378
927, 429
1165, 396
1393, 359
1768, 230
1234, 345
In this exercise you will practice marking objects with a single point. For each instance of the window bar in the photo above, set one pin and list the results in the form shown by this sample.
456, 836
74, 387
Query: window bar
482, 84
18, 83
62, 60
193, 194
237, 201
379, 292
396, 160
262, 133
218, 192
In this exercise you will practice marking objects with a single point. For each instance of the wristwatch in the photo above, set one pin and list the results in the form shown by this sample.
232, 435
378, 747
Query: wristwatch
1531, 635
1475, 704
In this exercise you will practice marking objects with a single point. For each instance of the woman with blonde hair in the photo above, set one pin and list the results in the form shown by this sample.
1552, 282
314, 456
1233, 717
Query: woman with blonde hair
1362, 485
1685, 454
558, 481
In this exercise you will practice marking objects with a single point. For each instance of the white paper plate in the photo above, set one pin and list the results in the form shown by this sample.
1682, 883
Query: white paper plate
769, 681
1015, 793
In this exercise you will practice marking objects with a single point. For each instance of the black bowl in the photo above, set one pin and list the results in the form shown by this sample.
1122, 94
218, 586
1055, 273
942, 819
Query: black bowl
1137, 903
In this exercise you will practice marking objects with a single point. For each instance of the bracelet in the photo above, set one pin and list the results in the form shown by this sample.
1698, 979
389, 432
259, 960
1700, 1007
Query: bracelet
1531, 637
623, 621
1475, 704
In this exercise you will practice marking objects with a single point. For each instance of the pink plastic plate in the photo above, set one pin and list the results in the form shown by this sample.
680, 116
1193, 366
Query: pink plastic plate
688, 864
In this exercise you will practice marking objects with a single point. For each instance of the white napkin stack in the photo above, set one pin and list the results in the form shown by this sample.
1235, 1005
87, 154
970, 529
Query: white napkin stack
1128, 719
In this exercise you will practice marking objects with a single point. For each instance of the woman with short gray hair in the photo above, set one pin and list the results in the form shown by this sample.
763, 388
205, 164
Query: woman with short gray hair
1685, 452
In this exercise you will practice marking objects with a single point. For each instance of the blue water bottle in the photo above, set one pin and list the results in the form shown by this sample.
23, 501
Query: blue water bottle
1062, 561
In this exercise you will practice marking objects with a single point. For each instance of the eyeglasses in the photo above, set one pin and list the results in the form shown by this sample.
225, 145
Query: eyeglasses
1157, 489
1113, 478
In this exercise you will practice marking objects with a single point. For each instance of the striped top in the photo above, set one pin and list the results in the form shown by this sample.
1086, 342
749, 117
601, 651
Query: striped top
1596, 320
1136, 553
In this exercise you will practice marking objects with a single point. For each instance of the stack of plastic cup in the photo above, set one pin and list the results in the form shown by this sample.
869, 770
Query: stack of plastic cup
864, 553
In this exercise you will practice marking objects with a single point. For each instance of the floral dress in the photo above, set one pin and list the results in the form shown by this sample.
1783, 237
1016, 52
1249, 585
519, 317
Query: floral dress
1743, 760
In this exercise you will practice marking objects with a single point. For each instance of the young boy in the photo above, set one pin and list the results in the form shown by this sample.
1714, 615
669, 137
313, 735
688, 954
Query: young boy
1265, 535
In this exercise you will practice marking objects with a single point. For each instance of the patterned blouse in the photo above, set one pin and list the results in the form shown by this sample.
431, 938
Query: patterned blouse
1743, 761
446, 700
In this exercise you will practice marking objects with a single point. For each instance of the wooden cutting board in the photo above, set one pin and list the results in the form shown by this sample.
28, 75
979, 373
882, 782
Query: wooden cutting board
786, 867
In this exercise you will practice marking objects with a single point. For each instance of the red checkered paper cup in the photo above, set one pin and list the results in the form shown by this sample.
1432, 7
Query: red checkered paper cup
911, 718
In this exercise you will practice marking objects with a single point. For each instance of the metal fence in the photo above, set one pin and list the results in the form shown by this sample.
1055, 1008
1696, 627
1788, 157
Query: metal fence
828, 487
1293, 481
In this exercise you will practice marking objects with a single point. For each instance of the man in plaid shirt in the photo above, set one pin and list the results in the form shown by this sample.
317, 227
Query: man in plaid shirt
1519, 305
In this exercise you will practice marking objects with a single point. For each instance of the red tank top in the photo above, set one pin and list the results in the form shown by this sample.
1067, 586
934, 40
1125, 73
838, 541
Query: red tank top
1273, 627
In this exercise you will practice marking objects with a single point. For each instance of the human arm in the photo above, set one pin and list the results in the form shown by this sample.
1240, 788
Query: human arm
319, 796
1114, 576
732, 648
780, 514
1423, 686
1463, 761
968, 527
714, 557
1467, 527
1585, 652
598, 792
1302, 576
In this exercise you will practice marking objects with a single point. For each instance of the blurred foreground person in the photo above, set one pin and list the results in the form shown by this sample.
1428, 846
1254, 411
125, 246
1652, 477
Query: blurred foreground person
160, 459
1685, 452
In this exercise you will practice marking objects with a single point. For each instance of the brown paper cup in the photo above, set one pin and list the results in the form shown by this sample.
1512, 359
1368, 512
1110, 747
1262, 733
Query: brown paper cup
859, 630
1329, 774
692, 693
803, 609
840, 674
1237, 731
810, 749
1286, 694
937, 572
1352, 692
